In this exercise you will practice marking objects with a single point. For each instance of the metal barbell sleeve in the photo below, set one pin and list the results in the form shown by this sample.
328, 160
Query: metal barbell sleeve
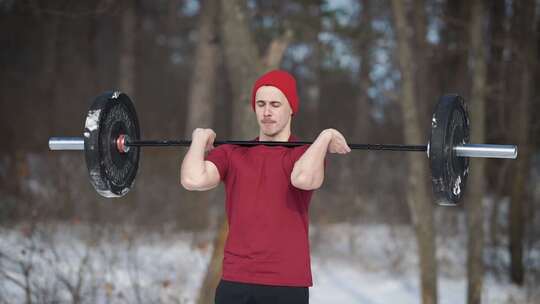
486, 151
66, 143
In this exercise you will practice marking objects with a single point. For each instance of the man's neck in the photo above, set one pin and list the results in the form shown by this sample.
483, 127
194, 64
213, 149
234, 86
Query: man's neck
281, 136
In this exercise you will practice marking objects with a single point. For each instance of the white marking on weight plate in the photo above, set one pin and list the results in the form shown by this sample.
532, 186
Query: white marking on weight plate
433, 122
96, 178
92, 120
115, 95
457, 189
87, 134
106, 193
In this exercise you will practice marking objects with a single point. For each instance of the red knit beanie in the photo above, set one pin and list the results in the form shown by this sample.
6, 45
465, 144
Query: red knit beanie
282, 80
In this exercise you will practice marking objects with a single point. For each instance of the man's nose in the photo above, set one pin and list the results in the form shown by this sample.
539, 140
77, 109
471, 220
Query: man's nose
267, 111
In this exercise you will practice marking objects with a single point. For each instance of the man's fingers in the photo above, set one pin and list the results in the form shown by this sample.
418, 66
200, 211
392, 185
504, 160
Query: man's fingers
346, 148
343, 144
339, 144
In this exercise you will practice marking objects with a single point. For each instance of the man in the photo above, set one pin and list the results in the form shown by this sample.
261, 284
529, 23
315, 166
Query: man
268, 189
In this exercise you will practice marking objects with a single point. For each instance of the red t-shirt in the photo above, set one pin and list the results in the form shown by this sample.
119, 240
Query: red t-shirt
268, 217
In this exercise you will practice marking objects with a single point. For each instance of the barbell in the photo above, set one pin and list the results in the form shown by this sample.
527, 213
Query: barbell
111, 142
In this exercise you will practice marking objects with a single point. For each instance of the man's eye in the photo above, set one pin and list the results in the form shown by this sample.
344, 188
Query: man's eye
276, 104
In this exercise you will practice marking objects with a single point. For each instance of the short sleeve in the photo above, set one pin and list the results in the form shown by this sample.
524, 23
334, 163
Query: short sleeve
219, 156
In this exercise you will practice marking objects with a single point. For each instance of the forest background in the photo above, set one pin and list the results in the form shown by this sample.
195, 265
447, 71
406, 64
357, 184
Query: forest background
372, 69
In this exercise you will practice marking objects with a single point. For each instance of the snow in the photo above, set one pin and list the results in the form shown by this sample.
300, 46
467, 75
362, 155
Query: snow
120, 264
350, 264
92, 120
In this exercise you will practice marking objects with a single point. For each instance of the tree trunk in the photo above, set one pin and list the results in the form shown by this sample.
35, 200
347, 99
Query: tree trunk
424, 84
456, 78
213, 271
363, 120
525, 57
475, 265
127, 50
417, 194
356, 167
313, 107
495, 95
244, 65
277, 49
200, 114
200, 101
126, 72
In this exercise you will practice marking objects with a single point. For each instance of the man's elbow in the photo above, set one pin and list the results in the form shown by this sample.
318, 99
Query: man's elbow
306, 182
187, 183
190, 184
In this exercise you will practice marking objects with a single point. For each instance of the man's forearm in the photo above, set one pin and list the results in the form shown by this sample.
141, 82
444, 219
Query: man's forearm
193, 167
308, 171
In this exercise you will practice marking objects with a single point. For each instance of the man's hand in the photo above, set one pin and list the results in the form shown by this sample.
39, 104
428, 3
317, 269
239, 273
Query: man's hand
337, 143
206, 136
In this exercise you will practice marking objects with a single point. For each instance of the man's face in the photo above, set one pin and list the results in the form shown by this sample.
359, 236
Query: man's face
272, 109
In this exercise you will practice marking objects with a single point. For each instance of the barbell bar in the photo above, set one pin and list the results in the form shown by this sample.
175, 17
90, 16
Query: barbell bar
111, 144
466, 150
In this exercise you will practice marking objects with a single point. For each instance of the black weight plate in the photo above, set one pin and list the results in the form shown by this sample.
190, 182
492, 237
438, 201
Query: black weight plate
449, 128
111, 173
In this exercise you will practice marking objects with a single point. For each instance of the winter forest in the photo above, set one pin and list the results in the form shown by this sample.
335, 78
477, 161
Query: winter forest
374, 70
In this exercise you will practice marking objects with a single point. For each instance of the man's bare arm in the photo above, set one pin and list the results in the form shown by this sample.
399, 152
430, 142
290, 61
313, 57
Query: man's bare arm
308, 171
197, 174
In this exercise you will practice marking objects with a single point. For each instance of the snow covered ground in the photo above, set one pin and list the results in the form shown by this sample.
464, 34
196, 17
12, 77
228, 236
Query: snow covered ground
351, 264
